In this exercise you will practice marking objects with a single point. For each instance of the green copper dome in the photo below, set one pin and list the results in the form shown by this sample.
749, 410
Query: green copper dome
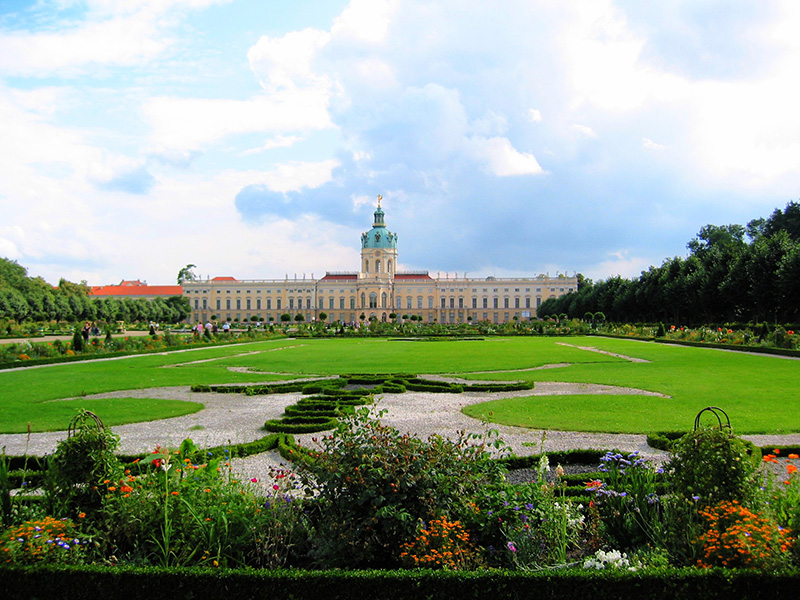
379, 236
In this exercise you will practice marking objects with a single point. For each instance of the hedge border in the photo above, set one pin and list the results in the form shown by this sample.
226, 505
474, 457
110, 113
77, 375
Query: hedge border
152, 583
734, 348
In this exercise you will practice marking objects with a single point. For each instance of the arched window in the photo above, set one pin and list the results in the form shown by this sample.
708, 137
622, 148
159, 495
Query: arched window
383, 300
373, 300
377, 266
363, 300
389, 265
366, 265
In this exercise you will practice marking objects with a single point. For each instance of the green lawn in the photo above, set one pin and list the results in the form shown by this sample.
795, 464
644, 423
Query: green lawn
759, 392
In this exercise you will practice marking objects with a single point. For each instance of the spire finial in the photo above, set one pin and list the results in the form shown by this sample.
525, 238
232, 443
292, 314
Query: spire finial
379, 200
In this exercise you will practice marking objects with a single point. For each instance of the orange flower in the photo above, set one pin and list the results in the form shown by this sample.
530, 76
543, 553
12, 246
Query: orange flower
793, 456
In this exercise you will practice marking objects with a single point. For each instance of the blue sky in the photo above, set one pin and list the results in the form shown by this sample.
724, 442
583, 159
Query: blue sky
251, 137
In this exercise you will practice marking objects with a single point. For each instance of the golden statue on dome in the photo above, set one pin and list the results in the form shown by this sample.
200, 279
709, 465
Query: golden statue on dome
379, 200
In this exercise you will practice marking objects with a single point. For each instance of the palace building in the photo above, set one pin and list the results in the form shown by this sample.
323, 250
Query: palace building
376, 290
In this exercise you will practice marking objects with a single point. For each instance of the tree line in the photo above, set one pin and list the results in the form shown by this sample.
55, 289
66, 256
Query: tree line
32, 298
733, 273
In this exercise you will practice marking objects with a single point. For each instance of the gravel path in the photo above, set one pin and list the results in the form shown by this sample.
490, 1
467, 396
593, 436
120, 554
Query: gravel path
235, 418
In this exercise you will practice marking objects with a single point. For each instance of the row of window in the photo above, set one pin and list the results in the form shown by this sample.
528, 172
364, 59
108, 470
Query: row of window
373, 303
444, 317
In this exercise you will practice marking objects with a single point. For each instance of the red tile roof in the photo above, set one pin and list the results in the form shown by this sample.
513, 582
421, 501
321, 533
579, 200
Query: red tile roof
135, 288
412, 276
224, 279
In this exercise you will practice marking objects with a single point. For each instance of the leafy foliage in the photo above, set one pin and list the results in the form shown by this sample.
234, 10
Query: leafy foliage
724, 279
372, 486
80, 465
712, 465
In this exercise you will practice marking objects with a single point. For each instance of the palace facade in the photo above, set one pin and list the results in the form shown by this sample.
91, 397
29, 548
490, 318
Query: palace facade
376, 290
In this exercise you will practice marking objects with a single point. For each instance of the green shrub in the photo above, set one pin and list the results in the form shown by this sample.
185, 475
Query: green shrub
79, 466
349, 393
373, 485
526, 525
663, 440
179, 512
304, 424
500, 387
626, 499
712, 465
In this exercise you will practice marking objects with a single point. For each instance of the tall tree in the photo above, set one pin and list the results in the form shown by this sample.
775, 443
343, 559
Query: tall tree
187, 274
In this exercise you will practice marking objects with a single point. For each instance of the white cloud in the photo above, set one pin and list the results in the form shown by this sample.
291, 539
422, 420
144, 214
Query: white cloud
502, 158
190, 123
651, 145
113, 33
280, 141
297, 175
365, 20
286, 62
584, 130
746, 133
118, 41
8, 249
604, 61
362, 200
620, 263
535, 115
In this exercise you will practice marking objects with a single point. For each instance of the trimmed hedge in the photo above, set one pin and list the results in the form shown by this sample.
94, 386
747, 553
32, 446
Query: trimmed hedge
756, 349
359, 393
152, 583
436, 387
300, 424
320, 387
294, 410
369, 378
564, 457
500, 387
663, 440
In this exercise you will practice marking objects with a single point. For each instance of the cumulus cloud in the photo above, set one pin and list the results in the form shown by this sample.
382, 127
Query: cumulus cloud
620, 262
365, 20
503, 159
280, 141
137, 180
286, 62
8, 249
651, 145
111, 34
584, 130
190, 123
428, 103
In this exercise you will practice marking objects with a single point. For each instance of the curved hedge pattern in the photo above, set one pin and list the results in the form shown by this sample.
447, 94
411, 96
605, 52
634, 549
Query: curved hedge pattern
329, 398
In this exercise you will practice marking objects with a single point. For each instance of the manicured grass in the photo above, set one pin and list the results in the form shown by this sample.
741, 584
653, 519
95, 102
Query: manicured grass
118, 411
581, 412
759, 392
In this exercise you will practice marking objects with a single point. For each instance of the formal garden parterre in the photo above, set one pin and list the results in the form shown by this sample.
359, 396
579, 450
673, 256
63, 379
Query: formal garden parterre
368, 495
